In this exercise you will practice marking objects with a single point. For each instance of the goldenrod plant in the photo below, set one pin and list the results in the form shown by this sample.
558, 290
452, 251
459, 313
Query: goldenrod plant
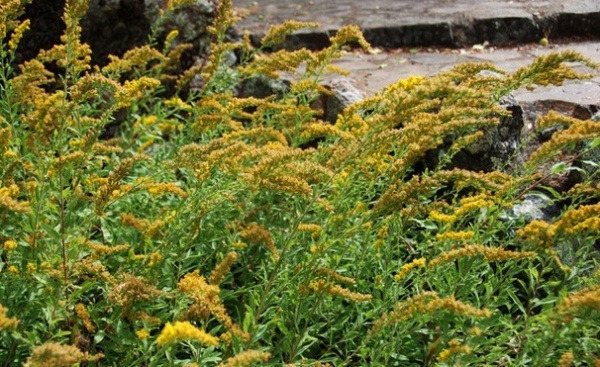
214, 229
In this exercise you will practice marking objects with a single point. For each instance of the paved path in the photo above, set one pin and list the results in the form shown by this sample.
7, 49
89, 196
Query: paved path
452, 23
424, 37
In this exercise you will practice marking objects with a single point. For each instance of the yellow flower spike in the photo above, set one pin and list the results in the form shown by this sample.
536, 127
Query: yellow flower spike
58, 355
15, 38
134, 89
84, 316
585, 299
427, 302
277, 33
348, 34
323, 286
9, 245
566, 360
218, 273
488, 252
180, 331
171, 36
454, 347
246, 359
142, 334
224, 19
7, 323
455, 236
407, 268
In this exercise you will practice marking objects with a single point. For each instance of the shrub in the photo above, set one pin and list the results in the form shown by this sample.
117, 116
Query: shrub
205, 228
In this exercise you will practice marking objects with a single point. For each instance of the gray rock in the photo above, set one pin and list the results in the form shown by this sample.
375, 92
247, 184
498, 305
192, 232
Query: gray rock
344, 93
533, 207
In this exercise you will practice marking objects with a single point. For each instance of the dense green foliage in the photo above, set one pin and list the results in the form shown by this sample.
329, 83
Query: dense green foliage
152, 216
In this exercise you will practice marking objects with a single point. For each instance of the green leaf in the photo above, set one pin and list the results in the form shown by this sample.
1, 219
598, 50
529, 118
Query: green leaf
594, 143
559, 167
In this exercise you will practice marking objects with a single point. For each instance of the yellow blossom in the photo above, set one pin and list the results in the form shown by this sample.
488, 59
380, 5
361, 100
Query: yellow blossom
428, 302
10, 154
488, 252
441, 217
277, 33
218, 273
135, 89
454, 347
154, 258
455, 236
246, 359
180, 331
349, 34
566, 360
17, 35
406, 268
9, 245
7, 323
323, 286
58, 355
585, 299
85, 317
143, 334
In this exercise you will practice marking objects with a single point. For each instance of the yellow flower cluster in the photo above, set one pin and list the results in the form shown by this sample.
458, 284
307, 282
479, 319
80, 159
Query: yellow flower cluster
460, 236
58, 355
131, 289
9, 245
162, 188
322, 286
143, 334
135, 89
207, 302
315, 230
466, 205
567, 359
402, 194
427, 302
349, 34
15, 38
489, 253
136, 58
277, 33
180, 331
404, 84
8, 200
258, 234
582, 220
407, 268
454, 347
103, 250
7, 323
219, 272
585, 299
85, 317
246, 359
281, 60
